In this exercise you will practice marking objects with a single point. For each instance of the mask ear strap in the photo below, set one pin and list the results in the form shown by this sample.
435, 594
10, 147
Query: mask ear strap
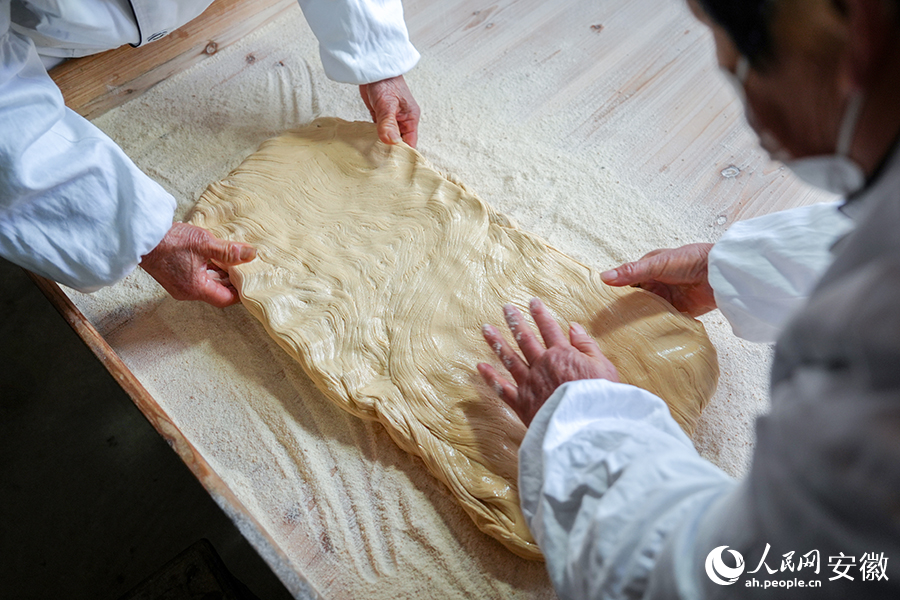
848, 123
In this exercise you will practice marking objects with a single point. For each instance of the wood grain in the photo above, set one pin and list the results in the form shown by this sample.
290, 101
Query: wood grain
639, 76
94, 84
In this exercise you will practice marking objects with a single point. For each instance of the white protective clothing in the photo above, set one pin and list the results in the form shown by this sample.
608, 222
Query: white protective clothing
763, 269
624, 507
73, 207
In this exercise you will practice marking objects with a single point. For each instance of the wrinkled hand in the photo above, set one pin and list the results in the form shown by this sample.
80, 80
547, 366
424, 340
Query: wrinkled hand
190, 264
393, 108
679, 275
542, 370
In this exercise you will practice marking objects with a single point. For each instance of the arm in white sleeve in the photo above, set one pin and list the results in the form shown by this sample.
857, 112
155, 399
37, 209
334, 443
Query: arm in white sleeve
361, 41
763, 269
623, 507
73, 207
605, 474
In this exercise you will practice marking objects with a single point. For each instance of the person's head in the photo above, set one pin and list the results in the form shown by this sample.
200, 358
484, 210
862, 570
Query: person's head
809, 62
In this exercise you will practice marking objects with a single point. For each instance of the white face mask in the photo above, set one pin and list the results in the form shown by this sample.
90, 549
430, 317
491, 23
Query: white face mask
836, 173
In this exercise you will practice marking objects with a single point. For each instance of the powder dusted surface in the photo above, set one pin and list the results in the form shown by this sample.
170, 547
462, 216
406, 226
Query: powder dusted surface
568, 134
376, 272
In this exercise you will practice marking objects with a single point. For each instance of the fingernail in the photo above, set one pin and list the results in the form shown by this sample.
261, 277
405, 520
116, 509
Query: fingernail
486, 329
578, 329
248, 252
534, 304
610, 275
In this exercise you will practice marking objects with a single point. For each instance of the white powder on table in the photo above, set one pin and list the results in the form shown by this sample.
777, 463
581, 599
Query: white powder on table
355, 515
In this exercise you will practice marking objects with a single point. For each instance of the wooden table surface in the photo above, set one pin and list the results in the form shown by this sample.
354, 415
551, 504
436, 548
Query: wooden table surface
635, 76
644, 81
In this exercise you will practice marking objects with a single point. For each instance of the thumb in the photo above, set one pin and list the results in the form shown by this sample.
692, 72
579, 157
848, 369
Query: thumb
388, 130
218, 295
228, 253
583, 342
649, 267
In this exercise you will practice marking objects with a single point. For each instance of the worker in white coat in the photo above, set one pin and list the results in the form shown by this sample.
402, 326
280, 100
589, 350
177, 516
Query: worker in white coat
615, 494
75, 208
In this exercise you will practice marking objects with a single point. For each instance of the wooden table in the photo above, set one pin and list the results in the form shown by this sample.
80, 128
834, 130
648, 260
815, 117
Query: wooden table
637, 76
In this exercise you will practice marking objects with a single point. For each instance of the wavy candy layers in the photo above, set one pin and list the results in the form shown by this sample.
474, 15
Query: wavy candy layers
376, 273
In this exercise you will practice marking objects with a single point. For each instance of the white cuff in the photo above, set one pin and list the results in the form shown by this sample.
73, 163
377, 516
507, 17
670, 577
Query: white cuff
361, 41
763, 269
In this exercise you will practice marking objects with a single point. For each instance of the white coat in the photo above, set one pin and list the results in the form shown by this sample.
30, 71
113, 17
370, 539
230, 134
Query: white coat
73, 207
623, 506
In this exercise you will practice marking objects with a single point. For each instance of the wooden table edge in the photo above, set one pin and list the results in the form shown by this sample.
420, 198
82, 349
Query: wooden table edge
160, 421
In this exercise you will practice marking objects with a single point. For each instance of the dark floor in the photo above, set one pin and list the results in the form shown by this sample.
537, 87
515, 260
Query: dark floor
92, 500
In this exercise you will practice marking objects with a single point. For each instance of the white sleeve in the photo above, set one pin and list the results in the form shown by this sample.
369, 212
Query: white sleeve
763, 269
361, 41
73, 207
623, 507
605, 474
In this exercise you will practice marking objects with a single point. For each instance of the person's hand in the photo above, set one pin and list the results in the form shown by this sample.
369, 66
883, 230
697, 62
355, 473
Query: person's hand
393, 108
190, 264
542, 370
679, 275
